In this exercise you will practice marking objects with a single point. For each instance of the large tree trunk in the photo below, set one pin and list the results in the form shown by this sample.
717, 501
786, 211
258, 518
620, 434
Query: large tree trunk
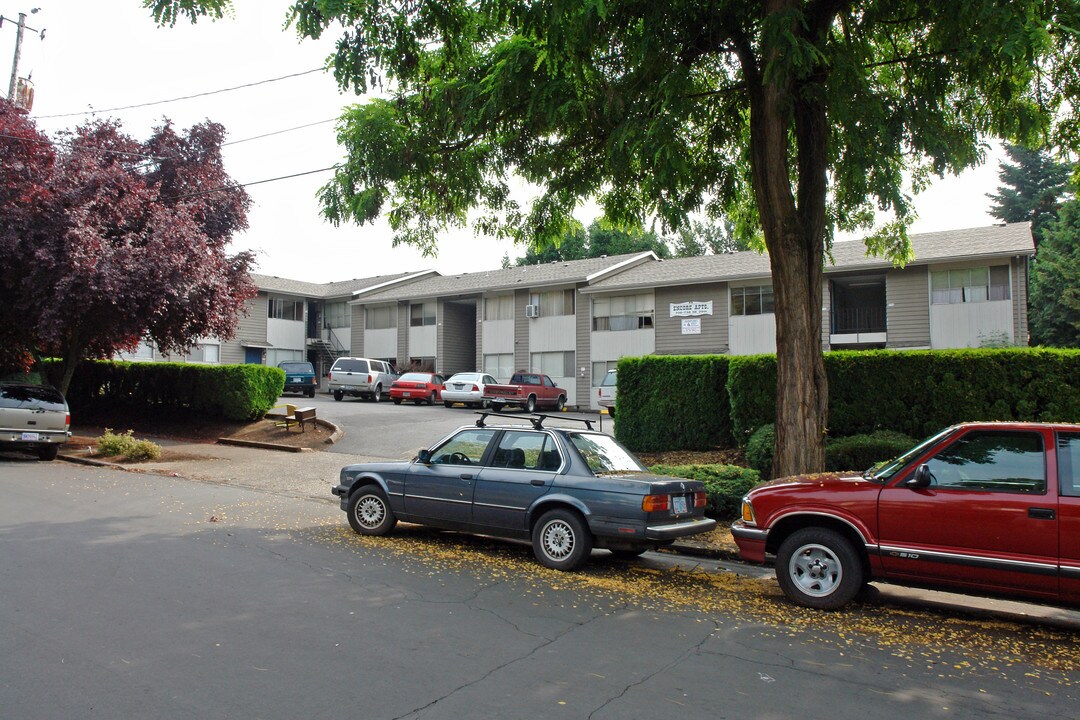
795, 236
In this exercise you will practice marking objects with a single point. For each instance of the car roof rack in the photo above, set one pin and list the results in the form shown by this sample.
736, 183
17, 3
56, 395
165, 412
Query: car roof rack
536, 419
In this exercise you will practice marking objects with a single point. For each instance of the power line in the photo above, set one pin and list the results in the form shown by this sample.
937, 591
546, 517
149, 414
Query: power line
87, 148
185, 97
234, 186
278, 132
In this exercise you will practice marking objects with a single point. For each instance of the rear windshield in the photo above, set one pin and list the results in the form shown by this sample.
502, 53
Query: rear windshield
296, 367
609, 379
416, 377
603, 454
31, 396
465, 377
345, 365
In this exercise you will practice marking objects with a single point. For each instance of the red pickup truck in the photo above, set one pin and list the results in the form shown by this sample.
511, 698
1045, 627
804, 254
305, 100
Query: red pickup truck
985, 507
527, 390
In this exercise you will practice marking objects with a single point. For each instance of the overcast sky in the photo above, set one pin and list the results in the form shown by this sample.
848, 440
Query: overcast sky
102, 55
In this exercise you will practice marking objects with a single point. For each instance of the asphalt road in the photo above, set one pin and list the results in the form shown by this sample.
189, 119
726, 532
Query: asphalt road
141, 596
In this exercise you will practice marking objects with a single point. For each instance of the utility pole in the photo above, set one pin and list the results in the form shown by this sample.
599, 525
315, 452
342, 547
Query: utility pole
18, 51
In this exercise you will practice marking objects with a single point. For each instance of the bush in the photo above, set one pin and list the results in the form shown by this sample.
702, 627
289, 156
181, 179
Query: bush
110, 445
725, 485
759, 450
859, 452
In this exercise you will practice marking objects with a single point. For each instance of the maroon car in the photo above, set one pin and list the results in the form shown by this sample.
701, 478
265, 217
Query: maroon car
988, 508
420, 387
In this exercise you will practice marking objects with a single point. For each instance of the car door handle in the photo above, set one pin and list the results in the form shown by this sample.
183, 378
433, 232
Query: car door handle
465, 476
538, 483
1039, 513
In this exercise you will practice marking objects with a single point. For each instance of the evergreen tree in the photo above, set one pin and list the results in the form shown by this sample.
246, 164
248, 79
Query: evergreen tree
1054, 305
1032, 188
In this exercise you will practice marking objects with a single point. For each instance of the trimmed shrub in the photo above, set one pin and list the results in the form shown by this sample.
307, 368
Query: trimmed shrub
673, 402
759, 450
110, 444
859, 452
725, 485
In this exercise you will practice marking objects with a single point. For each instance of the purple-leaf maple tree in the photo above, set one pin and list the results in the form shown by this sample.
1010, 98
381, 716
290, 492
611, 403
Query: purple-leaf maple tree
105, 241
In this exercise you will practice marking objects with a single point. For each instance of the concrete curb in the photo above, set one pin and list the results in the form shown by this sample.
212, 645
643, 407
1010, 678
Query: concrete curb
261, 445
336, 432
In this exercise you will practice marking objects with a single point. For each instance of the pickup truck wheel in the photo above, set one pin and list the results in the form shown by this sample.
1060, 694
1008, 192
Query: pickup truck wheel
338, 395
818, 568
560, 404
47, 452
370, 513
530, 404
561, 540
376, 395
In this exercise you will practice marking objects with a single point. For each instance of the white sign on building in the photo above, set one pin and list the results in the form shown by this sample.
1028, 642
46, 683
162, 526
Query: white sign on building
691, 326
691, 308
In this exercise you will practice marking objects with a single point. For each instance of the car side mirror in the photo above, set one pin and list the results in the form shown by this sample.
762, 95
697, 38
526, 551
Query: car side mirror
921, 478
424, 456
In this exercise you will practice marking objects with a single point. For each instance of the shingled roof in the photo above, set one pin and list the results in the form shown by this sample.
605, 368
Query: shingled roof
342, 288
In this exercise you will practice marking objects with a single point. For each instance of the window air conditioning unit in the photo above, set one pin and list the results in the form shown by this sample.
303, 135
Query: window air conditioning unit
532, 311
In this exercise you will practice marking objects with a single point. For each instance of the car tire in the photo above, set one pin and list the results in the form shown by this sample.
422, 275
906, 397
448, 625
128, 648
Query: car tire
818, 568
310, 392
561, 540
48, 452
397, 401
560, 404
447, 403
338, 395
611, 412
530, 404
432, 398
369, 511
376, 395
485, 404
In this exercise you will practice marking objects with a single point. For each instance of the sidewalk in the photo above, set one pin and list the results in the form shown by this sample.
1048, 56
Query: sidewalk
310, 475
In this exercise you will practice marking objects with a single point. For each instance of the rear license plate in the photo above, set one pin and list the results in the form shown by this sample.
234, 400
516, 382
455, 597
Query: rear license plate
294, 380
347, 387
678, 504
406, 393
31, 436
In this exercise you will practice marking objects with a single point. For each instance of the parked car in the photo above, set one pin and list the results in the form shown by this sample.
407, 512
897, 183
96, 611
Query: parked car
985, 507
606, 392
34, 418
419, 387
299, 378
567, 490
527, 390
360, 377
468, 388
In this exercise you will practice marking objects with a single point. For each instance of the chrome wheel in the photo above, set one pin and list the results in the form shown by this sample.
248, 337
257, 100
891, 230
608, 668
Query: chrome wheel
369, 512
816, 570
819, 568
558, 540
561, 539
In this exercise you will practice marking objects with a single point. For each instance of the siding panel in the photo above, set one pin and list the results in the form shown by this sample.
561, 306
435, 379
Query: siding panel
907, 308
669, 339
251, 327
521, 330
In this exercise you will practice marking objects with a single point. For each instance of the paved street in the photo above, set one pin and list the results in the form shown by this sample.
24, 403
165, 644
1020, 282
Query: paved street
134, 595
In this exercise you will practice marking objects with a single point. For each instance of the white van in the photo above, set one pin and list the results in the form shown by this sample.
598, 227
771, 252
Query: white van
360, 377
606, 394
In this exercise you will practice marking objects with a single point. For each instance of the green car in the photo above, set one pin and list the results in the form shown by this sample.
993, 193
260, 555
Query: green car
299, 378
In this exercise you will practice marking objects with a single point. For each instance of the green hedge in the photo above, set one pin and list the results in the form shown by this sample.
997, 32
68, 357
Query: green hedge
918, 392
859, 452
673, 402
725, 485
233, 392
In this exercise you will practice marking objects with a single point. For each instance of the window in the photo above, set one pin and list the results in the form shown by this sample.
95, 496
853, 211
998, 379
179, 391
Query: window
756, 300
992, 461
205, 353
500, 366
468, 443
422, 314
380, 317
600, 371
951, 287
1069, 463
337, 315
282, 309
554, 302
275, 356
422, 364
144, 351
628, 312
500, 307
526, 450
350, 365
556, 364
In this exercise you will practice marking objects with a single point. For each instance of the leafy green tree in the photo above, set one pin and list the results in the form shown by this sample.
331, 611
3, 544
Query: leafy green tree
573, 245
1054, 306
791, 117
1032, 188
701, 238
607, 240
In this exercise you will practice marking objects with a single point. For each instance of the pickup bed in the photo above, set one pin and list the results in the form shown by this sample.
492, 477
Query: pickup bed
527, 390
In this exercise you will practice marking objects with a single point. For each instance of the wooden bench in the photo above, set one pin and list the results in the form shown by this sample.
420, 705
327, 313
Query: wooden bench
301, 417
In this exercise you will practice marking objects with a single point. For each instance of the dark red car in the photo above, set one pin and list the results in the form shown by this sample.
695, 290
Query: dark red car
990, 508
419, 387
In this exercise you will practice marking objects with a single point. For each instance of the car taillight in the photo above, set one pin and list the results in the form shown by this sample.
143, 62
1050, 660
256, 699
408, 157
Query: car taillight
700, 499
369, 379
656, 503
67, 420
475, 389
599, 393
329, 376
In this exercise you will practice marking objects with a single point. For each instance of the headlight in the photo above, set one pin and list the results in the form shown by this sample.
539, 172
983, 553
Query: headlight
748, 512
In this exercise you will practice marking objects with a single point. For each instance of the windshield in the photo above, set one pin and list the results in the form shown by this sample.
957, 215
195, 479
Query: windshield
884, 470
349, 365
297, 367
603, 454
415, 377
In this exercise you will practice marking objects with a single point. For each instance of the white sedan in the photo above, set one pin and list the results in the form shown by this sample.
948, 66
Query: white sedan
468, 388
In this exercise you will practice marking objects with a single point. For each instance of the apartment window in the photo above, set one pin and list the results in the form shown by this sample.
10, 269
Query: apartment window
627, 312
600, 371
205, 353
144, 351
381, 317
556, 364
951, 287
282, 309
500, 307
337, 315
275, 356
499, 366
755, 300
422, 314
554, 302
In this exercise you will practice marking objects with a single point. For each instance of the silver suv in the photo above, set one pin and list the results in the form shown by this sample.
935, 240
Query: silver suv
360, 377
33, 417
